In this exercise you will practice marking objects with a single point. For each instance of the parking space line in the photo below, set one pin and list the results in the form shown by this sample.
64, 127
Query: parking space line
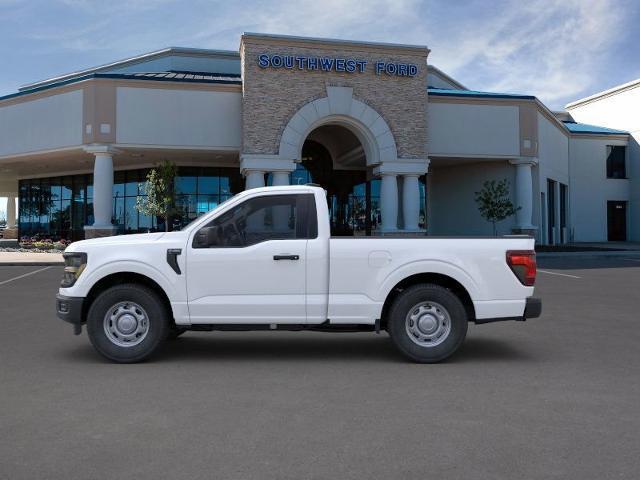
560, 274
25, 275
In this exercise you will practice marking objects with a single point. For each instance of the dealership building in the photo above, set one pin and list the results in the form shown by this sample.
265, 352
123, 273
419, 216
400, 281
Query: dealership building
400, 146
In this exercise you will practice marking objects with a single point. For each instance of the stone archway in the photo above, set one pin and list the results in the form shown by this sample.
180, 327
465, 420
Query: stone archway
340, 108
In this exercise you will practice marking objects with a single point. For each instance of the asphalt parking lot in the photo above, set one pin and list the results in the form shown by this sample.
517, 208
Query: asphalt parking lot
554, 397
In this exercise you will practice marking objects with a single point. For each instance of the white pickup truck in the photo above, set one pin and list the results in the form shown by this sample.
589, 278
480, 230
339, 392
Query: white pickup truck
265, 260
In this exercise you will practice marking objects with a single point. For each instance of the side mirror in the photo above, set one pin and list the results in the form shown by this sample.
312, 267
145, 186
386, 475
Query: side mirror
206, 237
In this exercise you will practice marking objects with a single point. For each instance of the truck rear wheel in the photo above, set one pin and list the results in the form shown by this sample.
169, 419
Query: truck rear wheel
427, 323
126, 323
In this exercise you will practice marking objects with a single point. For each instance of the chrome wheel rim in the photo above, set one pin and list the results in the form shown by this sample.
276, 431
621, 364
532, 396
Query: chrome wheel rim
126, 324
428, 324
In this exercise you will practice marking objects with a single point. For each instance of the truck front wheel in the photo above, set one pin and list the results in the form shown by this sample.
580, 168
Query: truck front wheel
427, 323
126, 323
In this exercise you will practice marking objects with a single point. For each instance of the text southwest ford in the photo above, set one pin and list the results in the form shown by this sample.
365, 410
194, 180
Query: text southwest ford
265, 260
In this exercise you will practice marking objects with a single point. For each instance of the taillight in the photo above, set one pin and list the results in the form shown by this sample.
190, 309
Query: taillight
523, 265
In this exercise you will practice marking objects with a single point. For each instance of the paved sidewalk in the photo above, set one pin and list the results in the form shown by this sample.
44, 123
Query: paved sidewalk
30, 258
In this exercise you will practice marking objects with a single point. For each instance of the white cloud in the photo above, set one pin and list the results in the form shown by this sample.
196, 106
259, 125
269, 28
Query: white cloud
553, 49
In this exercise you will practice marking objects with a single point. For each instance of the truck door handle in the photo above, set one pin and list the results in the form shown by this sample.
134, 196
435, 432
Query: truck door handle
286, 257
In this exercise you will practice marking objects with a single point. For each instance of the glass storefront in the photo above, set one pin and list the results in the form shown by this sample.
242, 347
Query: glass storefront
60, 207
57, 207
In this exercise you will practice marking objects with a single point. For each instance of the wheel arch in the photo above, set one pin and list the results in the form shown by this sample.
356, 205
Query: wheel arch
121, 278
443, 280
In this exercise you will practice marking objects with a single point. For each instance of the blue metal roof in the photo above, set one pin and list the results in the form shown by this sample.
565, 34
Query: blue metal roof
575, 127
188, 77
445, 92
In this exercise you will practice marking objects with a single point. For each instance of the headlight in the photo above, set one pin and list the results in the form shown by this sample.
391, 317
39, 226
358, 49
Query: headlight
74, 264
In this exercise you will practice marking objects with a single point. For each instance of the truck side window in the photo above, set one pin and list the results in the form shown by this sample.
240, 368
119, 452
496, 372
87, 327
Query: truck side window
256, 220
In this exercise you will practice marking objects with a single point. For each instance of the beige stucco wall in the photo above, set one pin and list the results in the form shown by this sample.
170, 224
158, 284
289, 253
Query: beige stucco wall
473, 129
178, 117
44, 123
272, 96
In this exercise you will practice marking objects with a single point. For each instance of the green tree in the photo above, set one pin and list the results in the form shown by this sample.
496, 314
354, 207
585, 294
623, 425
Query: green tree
494, 202
160, 199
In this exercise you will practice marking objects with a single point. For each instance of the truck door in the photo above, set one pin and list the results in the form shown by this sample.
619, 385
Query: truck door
248, 266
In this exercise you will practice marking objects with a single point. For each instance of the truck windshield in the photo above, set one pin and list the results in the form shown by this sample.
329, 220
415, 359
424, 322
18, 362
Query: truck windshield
212, 210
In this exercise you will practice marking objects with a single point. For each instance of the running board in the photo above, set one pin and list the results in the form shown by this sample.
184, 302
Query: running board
288, 327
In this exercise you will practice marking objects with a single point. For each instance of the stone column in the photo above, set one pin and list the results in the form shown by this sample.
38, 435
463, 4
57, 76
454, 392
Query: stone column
102, 192
524, 194
410, 201
389, 202
254, 179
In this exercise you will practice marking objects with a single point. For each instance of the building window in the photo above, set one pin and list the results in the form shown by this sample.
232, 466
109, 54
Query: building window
616, 161
55, 208
60, 207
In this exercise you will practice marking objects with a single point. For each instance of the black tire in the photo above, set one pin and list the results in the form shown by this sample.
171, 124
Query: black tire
156, 314
451, 337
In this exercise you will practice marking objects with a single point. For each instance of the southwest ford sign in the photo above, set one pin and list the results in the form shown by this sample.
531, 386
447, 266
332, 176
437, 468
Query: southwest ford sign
334, 64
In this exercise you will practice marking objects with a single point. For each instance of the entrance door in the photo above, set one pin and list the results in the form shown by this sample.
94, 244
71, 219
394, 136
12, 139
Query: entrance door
617, 221
348, 191
252, 266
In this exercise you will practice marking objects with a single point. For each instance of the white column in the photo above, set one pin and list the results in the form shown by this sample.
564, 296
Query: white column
524, 192
11, 212
254, 179
280, 178
103, 190
410, 201
389, 202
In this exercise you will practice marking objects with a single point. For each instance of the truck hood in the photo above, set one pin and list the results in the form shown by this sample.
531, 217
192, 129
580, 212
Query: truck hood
136, 238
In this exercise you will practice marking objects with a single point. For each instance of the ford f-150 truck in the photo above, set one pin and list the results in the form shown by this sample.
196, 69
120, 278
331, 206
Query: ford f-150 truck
265, 260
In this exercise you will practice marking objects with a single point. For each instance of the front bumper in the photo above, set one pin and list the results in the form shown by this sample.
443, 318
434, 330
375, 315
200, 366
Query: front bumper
69, 309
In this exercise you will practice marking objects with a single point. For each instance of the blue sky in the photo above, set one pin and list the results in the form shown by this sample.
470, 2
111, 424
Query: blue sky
557, 50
